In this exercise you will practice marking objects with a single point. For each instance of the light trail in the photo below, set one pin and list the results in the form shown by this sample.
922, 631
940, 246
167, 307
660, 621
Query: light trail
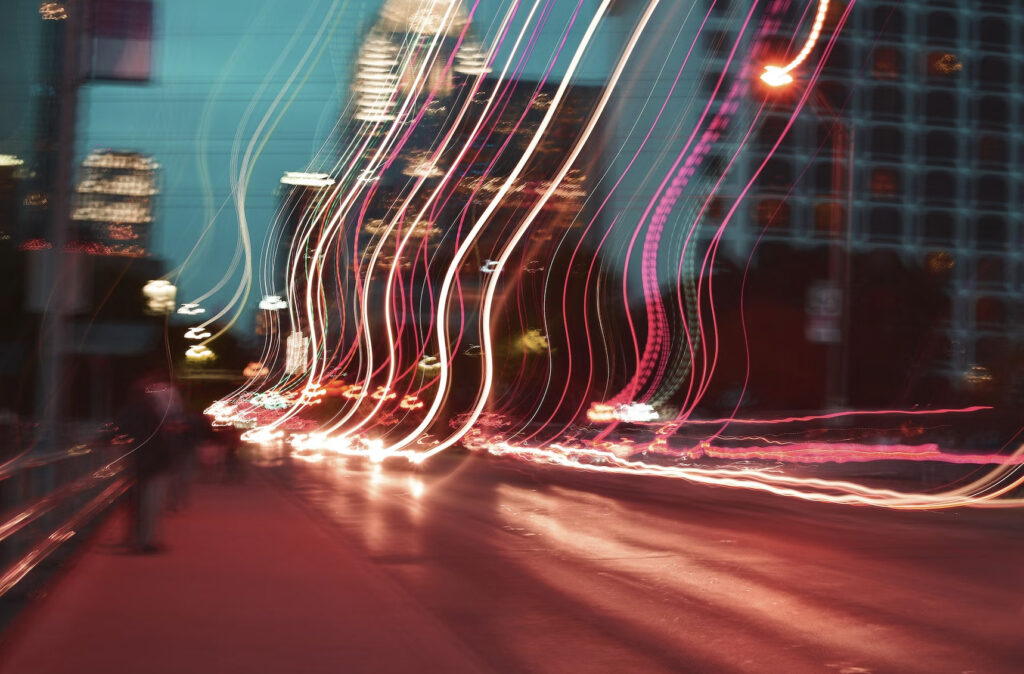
417, 291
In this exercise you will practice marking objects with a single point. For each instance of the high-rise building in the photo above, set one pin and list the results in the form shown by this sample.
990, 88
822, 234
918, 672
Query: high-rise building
113, 210
903, 170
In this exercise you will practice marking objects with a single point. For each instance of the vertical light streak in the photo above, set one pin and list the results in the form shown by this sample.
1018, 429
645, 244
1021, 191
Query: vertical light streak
464, 247
485, 327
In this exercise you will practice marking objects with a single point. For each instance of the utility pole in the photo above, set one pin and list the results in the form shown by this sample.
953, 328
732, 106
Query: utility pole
57, 288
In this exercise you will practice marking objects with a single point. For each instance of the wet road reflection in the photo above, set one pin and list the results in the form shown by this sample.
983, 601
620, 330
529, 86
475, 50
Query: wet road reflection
549, 571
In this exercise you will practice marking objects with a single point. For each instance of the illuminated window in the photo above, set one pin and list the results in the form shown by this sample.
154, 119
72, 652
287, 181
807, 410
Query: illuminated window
940, 228
885, 183
943, 65
886, 63
774, 213
829, 219
939, 261
940, 148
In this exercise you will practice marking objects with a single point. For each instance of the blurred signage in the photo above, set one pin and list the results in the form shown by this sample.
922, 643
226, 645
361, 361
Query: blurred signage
824, 313
120, 40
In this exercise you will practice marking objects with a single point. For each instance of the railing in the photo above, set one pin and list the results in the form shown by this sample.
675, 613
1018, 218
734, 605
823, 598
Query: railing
46, 499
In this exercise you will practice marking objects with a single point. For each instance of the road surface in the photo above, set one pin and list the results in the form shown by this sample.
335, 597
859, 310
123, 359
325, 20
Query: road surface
541, 570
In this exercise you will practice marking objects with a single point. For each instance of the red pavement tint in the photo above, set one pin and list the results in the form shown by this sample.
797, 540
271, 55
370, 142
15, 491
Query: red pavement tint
250, 583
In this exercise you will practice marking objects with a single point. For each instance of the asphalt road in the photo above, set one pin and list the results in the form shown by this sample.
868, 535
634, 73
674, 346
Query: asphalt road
542, 570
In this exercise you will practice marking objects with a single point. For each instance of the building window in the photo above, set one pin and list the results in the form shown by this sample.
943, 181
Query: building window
939, 187
992, 112
991, 190
888, 22
829, 177
992, 351
887, 102
829, 219
719, 43
886, 141
994, 73
991, 272
886, 63
777, 175
990, 312
943, 65
990, 233
838, 60
885, 225
885, 183
939, 261
834, 94
715, 209
941, 27
993, 34
992, 150
939, 228
770, 130
940, 109
940, 148
773, 213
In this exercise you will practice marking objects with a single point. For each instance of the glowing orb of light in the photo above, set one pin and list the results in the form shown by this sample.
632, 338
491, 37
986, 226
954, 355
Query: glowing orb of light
312, 395
191, 309
774, 76
534, 342
601, 413
635, 413
197, 353
273, 303
255, 371
197, 333
159, 296
429, 365
53, 11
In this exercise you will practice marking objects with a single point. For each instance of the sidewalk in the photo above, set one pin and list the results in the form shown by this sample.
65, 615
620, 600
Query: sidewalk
251, 583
